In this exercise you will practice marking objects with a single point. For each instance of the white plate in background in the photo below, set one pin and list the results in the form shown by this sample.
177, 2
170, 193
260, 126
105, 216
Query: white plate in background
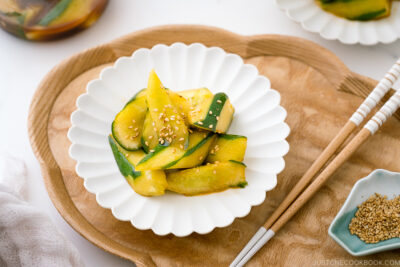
314, 19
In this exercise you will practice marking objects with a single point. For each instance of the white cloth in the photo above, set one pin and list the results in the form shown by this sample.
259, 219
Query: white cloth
27, 235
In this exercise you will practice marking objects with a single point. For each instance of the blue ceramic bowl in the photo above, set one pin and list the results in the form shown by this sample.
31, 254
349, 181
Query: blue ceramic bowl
379, 181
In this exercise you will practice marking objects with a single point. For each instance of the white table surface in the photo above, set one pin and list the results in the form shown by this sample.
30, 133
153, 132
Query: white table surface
23, 64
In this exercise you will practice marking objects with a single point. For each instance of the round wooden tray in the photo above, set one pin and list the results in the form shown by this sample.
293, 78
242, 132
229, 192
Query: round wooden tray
318, 91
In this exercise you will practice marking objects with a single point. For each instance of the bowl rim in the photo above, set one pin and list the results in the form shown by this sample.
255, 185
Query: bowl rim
369, 177
114, 66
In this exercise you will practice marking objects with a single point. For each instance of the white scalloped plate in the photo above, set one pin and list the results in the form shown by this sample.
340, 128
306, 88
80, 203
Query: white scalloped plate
258, 116
314, 19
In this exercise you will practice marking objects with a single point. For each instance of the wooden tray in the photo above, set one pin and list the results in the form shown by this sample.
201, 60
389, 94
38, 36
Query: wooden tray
318, 91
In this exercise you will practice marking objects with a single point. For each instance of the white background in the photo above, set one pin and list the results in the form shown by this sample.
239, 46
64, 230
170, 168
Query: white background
23, 64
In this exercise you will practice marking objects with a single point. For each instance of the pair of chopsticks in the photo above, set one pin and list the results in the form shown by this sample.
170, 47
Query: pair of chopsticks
306, 188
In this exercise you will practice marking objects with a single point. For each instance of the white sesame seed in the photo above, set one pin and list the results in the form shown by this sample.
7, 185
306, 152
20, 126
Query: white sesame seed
210, 126
210, 112
200, 122
146, 143
150, 137
152, 150
156, 109
181, 139
133, 121
219, 101
181, 146
130, 127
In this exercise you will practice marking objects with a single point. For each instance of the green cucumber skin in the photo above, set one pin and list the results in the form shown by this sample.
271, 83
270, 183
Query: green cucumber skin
369, 16
241, 184
112, 125
119, 142
20, 19
124, 166
216, 108
231, 136
237, 162
190, 151
144, 146
55, 12
19, 16
157, 150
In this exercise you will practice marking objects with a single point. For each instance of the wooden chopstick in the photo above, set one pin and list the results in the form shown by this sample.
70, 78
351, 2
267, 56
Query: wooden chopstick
368, 130
356, 119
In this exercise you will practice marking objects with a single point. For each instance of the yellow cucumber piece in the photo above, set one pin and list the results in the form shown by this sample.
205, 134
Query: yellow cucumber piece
127, 125
199, 101
362, 10
207, 111
75, 11
146, 183
169, 123
219, 115
164, 156
228, 147
207, 178
149, 183
149, 135
195, 155
181, 104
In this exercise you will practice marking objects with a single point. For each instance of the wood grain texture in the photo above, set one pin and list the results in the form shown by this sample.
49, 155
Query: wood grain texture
319, 93
322, 178
308, 176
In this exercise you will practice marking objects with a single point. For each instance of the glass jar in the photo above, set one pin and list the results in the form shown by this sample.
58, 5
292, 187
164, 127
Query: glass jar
48, 19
